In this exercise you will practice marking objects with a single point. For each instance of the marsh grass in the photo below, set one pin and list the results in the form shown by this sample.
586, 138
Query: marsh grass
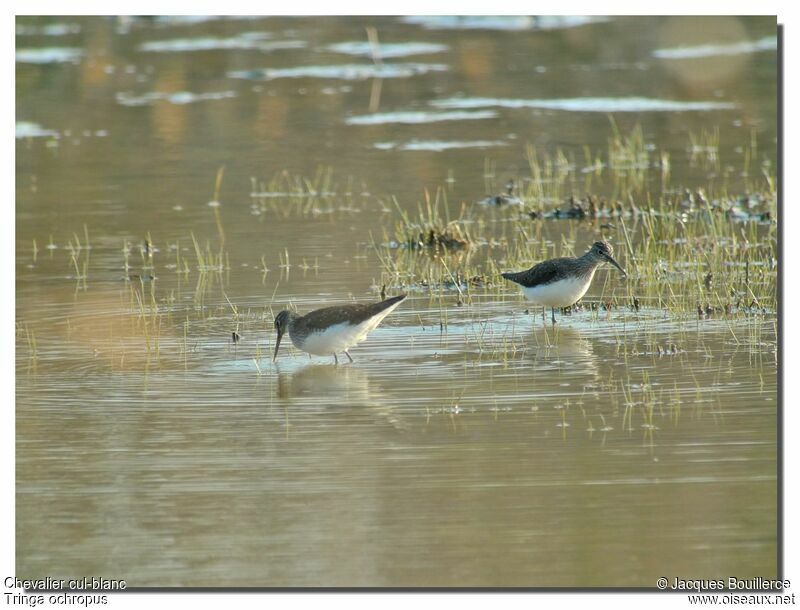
432, 228
704, 149
696, 256
209, 260
549, 175
628, 161
288, 195
23, 329
686, 251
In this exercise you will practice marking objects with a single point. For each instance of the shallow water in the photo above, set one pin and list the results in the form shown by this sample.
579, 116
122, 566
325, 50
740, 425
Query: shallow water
469, 444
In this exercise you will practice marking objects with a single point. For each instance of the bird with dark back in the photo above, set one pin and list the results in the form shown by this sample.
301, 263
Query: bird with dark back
326, 331
561, 282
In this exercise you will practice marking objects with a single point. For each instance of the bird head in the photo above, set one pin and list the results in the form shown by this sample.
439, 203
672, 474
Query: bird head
602, 251
281, 325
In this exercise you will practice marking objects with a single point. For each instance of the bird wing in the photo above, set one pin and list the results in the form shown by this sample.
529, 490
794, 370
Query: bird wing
543, 273
321, 319
354, 313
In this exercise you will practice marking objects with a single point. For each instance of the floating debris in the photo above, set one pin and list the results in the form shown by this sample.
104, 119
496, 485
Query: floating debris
588, 207
687, 205
438, 239
458, 284
575, 209
670, 349
704, 311
507, 198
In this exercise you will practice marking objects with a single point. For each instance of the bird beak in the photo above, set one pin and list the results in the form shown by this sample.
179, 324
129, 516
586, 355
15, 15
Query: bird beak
277, 344
611, 260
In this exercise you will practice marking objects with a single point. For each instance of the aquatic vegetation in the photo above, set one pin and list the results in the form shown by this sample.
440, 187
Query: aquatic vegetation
704, 148
147, 289
688, 251
507, 198
430, 230
285, 184
699, 255
287, 194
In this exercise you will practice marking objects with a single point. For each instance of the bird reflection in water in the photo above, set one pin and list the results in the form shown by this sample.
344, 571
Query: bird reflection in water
337, 388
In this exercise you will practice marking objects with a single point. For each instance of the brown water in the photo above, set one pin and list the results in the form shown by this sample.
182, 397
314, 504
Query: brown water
468, 445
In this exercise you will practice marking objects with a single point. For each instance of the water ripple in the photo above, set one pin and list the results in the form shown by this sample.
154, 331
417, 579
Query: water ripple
768, 43
586, 104
341, 71
418, 117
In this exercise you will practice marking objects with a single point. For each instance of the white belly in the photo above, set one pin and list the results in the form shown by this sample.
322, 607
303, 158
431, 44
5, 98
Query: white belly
340, 337
559, 294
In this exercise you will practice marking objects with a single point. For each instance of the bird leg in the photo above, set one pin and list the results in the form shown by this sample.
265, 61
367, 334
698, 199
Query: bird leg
553, 310
335, 359
349, 357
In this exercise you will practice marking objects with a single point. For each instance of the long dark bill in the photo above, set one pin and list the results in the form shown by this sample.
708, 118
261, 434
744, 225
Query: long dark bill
611, 260
277, 345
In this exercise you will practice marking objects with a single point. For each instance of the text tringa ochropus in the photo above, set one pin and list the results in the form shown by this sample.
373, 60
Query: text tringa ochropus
560, 282
332, 329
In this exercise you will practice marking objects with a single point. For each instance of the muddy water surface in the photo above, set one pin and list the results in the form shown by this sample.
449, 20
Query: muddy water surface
470, 444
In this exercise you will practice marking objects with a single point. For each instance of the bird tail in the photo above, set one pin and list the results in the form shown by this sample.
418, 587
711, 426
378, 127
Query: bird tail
510, 275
